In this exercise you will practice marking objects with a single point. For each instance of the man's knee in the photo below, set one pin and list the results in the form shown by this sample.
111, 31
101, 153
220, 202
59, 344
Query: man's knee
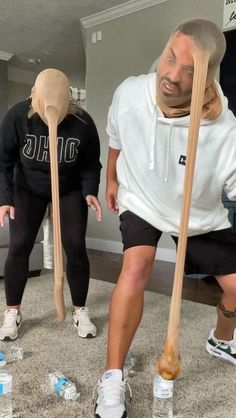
138, 266
136, 275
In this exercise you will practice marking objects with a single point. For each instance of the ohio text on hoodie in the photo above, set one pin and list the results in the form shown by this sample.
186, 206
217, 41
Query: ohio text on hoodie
24, 151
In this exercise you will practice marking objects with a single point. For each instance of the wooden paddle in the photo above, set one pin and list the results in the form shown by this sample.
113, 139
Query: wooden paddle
169, 363
50, 99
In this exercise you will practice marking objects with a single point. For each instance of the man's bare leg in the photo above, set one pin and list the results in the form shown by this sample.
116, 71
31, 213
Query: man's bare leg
126, 306
226, 310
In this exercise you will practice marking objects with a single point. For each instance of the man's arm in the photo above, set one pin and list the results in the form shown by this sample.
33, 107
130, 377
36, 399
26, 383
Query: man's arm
112, 183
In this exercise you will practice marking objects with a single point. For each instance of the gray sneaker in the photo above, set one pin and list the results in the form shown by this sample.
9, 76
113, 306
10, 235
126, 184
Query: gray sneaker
111, 401
84, 325
11, 323
220, 348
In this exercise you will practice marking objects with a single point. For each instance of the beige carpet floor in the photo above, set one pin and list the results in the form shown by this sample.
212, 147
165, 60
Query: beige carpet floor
206, 387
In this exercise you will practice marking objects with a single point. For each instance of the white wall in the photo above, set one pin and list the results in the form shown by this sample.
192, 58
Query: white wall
129, 46
17, 92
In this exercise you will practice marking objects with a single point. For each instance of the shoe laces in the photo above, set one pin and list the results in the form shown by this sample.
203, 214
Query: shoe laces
224, 343
112, 392
10, 318
220, 344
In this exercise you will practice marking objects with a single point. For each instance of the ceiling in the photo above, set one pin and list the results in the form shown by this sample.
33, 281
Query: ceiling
48, 31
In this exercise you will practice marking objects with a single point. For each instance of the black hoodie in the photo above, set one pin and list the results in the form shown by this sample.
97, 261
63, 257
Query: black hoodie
25, 160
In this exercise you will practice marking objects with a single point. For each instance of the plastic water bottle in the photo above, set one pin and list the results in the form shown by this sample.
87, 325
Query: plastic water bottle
5, 391
11, 354
162, 397
129, 365
62, 386
48, 256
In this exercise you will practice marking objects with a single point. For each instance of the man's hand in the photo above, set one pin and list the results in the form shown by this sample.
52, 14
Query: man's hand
6, 210
111, 196
94, 204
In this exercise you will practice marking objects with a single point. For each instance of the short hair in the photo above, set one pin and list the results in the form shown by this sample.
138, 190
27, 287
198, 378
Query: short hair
207, 36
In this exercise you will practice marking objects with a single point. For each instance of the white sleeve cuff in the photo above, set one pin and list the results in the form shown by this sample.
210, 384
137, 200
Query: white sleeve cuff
114, 143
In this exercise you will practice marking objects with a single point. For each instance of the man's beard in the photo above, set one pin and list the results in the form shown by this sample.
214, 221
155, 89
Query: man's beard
178, 98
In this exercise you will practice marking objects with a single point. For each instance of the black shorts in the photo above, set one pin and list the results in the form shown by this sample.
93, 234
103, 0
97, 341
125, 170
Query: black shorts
213, 253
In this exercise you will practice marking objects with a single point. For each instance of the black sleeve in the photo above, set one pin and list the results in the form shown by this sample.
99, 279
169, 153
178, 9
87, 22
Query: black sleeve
9, 154
90, 164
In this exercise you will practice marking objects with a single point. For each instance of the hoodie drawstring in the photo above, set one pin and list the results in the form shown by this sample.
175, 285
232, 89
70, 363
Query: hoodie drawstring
154, 147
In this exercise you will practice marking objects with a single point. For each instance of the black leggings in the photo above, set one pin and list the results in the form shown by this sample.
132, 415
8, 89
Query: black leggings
29, 213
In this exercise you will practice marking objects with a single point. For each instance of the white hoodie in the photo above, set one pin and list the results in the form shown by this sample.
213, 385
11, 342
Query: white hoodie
150, 166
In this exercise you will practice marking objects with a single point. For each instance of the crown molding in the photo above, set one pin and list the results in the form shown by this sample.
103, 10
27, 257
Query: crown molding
131, 6
5, 56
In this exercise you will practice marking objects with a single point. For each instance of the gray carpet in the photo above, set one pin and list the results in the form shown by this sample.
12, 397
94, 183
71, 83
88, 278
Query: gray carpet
206, 388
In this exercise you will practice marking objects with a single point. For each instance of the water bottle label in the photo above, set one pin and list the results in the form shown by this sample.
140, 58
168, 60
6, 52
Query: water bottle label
61, 382
5, 388
163, 388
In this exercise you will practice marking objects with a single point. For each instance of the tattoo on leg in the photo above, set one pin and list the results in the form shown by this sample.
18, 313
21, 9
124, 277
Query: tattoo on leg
227, 314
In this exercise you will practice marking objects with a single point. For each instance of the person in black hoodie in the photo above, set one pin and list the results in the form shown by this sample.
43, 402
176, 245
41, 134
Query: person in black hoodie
25, 192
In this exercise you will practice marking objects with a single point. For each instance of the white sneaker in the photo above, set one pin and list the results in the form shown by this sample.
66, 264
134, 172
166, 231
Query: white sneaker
11, 324
220, 348
110, 401
81, 320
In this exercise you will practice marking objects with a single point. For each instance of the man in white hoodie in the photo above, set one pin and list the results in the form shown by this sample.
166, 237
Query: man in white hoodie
148, 128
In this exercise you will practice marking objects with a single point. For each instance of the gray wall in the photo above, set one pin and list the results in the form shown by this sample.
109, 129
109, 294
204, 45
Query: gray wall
17, 92
129, 46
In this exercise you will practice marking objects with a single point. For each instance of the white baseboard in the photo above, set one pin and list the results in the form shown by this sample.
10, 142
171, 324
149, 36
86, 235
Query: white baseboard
163, 254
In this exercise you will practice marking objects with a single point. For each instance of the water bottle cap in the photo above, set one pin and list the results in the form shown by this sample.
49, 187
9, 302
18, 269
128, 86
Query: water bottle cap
74, 396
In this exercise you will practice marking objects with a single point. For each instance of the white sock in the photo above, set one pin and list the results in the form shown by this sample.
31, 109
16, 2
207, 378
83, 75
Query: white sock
112, 374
